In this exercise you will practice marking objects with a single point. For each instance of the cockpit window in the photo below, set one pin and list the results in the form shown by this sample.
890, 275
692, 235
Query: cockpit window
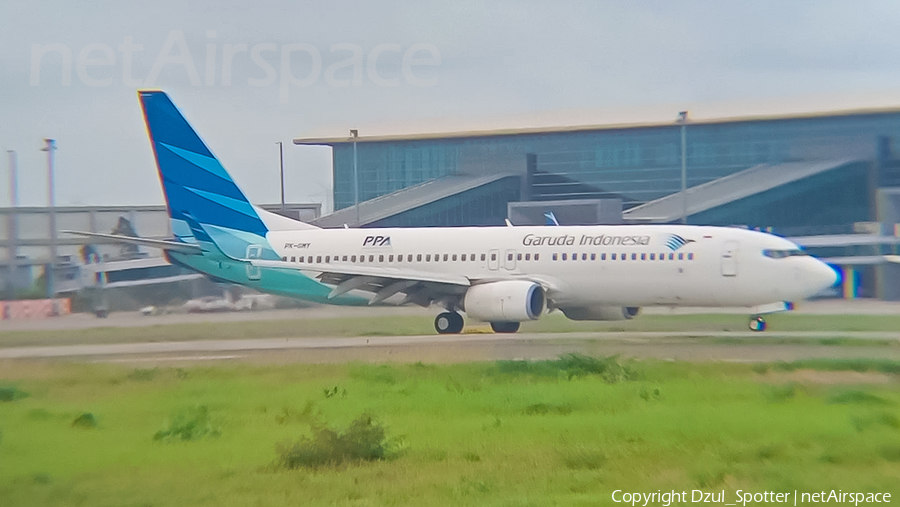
781, 254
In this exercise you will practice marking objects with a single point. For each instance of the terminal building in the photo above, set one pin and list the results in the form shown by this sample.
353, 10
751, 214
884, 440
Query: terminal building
829, 181
805, 176
27, 240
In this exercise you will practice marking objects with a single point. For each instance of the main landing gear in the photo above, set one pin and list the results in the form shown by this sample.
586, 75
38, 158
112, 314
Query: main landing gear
452, 323
448, 323
505, 327
757, 323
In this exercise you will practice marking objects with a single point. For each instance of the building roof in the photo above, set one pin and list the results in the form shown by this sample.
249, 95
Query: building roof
727, 189
406, 199
331, 141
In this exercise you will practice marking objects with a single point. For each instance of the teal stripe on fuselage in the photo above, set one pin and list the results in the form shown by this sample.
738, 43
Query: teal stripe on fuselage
283, 282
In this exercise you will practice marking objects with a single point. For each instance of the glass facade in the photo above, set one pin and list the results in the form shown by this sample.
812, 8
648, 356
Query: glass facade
827, 203
638, 165
484, 205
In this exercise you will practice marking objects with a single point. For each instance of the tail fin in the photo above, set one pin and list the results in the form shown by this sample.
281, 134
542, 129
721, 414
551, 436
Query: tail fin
551, 218
193, 180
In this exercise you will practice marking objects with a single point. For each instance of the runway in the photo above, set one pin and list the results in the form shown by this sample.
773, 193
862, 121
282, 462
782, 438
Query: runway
728, 346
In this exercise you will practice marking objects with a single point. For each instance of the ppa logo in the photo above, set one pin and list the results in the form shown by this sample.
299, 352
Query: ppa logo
376, 241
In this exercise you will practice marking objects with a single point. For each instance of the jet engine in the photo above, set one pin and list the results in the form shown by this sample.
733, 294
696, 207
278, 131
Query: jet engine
505, 301
601, 312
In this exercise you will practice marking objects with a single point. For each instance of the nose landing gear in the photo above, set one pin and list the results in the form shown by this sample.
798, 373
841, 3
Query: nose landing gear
757, 323
448, 323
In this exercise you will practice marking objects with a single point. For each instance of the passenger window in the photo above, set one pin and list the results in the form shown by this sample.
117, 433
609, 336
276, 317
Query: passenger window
437, 257
428, 258
593, 256
318, 258
285, 259
454, 257
509, 257
671, 257
419, 258
482, 256
584, 256
400, 258
344, 258
445, 257
518, 257
409, 258
662, 256
603, 257
528, 257
564, 257
463, 257
653, 257
643, 256
327, 259
391, 258
537, 256
381, 258
691, 256
471, 256
613, 257
624, 256
681, 256
371, 258
493, 256
554, 256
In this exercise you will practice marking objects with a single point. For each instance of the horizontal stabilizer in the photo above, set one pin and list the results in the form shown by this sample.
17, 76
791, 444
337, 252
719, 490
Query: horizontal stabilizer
174, 246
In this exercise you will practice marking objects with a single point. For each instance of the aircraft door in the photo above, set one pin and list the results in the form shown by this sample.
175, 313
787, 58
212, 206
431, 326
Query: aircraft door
729, 258
254, 252
509, 260
494, 260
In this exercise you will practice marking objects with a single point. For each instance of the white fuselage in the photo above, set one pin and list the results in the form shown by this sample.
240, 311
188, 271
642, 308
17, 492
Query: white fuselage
623, 265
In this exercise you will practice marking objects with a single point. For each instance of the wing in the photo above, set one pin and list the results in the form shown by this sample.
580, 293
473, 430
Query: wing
420, 287
175, 246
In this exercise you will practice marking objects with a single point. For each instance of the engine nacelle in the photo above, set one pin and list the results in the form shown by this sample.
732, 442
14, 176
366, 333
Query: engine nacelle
506, 301
601, 312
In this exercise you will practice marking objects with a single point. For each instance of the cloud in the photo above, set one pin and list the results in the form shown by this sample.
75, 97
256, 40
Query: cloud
517, 61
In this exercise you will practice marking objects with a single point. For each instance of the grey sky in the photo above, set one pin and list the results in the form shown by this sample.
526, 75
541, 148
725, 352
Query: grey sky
516, 63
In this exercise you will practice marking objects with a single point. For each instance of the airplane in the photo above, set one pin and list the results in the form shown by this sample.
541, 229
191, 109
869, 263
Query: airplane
500, 275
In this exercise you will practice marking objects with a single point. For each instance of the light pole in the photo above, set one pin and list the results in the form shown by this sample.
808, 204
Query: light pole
281, 160
50, 147
354, 134
13, 224
682, 119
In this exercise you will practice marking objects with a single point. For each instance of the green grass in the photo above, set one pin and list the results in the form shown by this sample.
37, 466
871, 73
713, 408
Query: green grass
423, 325
563, 432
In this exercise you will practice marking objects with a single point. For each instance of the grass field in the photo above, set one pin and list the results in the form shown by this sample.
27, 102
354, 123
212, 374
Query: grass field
565, 432
423, 325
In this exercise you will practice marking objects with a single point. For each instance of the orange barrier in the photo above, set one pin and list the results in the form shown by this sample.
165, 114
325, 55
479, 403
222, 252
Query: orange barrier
35, 308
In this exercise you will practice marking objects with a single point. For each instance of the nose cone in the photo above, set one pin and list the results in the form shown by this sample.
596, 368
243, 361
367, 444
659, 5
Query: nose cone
820, 276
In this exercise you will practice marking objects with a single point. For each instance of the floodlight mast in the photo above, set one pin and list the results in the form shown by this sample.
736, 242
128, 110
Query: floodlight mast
683, 119
50, 147
354, 134
281, 160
